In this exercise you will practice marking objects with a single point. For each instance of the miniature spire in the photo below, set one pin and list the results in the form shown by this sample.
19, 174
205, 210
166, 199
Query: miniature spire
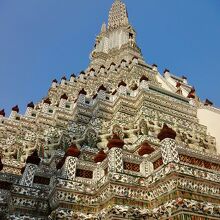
103, 29
115, 141
2, 112
118, 16
208, 103
15, 108
192, 93
30, 105
72, 151
64, 96
100, 156
33, 158
145, 148
166, 132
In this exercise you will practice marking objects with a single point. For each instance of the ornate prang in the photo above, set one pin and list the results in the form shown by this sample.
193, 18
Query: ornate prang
140, 149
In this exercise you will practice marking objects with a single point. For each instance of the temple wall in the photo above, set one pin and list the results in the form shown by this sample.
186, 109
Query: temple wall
210, 117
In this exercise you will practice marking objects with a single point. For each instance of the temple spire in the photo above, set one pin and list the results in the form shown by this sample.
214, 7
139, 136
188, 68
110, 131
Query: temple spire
118, 16
119, 32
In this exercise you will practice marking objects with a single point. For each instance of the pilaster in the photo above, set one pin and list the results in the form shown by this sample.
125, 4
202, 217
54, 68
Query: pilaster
115, 161
28, 175
69, 168
169, 151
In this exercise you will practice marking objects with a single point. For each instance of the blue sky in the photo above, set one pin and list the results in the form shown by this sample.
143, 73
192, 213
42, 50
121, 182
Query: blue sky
42, 40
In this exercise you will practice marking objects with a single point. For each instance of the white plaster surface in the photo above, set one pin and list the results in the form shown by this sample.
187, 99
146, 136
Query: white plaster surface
211, 119
163, 82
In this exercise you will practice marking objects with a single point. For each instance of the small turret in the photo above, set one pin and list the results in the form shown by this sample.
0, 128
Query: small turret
144, 78
82, 92
63, 100
63, 80
64, 96
30, 105
115, 141
101, 88
102, 69
72, 77
166, 73
15, 109
72, 151
2, 113
54, 83
104, 28
34, 158
145, 149
192, 93
135, 60
154, 67
47, 101
100, 156
166, 132
184, 79
30, 108
14, 113
122, 83
46, 104
92, 72
208, 103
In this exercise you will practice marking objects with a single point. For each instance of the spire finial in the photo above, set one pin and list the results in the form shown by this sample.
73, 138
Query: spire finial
118, 15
